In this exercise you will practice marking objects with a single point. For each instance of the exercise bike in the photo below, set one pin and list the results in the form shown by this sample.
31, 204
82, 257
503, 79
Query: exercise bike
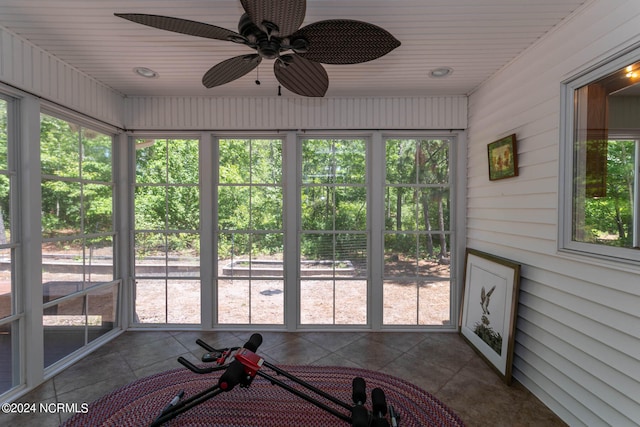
241, 365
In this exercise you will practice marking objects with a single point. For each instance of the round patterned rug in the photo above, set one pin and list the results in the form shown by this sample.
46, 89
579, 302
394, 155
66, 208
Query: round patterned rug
262, 404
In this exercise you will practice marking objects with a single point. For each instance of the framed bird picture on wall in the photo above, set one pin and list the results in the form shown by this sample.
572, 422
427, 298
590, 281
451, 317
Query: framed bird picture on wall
488, 312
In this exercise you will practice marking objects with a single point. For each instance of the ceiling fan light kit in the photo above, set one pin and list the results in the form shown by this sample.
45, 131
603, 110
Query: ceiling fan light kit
272, 29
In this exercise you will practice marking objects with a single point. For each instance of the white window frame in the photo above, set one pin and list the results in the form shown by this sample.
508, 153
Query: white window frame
17, 318
372, 225
566, 244
204, 142
88, 346
454, 244
291, 217
213, 219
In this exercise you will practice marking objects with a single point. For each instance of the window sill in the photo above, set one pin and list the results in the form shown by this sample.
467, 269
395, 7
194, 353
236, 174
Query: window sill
604, 260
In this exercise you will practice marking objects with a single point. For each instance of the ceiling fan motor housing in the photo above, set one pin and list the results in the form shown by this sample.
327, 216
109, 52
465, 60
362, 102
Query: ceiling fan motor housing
267, 46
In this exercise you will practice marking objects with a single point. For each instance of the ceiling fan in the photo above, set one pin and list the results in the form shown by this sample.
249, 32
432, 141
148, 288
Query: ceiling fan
272, 29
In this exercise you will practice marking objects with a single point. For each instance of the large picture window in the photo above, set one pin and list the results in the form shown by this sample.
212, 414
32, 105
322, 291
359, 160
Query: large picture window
79, 293
340, 231
601, 212
250, 237
417, 236
333, 267
167, 231
10, 311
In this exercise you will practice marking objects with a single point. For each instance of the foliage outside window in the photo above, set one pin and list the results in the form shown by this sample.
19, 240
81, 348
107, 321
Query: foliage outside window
7, 175
250, 236
9, 310
605, 163
334, 236
325, 261
608, 217
417, 232
167, 231
79, 293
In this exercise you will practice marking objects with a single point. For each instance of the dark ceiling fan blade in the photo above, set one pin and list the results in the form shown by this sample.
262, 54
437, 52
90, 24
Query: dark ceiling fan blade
344, 41
231, 69
286, 14
178, 25
300, 76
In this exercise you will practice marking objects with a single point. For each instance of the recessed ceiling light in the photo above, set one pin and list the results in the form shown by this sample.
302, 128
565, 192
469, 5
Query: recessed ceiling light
440, 72
145, 72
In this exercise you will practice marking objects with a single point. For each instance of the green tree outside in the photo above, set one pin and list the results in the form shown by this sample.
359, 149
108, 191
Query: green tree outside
609, 219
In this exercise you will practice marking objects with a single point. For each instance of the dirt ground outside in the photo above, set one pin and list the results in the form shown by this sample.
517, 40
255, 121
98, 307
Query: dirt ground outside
323, 301
342, 301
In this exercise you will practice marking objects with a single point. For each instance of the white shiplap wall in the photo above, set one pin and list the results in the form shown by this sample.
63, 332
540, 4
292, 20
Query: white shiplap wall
281, 113
30, 69
578, 336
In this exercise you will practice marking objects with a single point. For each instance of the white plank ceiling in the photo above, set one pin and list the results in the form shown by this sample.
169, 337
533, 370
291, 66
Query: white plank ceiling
475, 38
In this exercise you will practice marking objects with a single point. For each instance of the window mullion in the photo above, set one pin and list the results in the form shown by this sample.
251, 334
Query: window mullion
208, 236
376, 200
31, 234
291, 173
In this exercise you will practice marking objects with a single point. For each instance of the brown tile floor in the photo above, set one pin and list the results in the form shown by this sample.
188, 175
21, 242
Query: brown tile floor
440, 363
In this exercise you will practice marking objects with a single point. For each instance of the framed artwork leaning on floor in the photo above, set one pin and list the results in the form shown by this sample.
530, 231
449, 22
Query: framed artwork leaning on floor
489, 304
